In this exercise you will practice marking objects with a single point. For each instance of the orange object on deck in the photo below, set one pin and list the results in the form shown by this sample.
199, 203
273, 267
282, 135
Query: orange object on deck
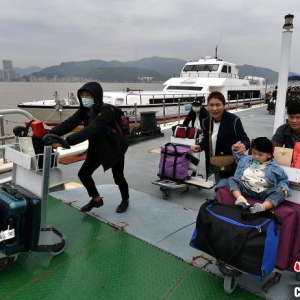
37, 127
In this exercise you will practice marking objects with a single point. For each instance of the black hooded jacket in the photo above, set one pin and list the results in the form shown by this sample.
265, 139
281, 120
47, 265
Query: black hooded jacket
108, 147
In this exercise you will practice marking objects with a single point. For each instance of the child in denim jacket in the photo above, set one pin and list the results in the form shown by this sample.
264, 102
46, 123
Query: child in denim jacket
258, 176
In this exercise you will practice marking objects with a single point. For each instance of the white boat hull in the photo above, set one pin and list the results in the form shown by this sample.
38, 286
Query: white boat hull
51, 115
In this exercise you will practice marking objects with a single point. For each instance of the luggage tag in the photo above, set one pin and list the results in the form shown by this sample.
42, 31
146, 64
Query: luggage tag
7, 234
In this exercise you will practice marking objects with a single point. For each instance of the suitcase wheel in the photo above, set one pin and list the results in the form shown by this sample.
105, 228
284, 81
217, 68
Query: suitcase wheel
7, 261
166, 192
230, 283
61, 249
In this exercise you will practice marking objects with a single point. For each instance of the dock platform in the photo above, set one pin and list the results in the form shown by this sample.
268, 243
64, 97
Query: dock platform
143, 253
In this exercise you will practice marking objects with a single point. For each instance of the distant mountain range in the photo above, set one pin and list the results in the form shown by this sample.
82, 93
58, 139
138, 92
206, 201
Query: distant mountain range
152, 69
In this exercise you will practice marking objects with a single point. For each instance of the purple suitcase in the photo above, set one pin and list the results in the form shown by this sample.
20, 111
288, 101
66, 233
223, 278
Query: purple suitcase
173, 163
289, 244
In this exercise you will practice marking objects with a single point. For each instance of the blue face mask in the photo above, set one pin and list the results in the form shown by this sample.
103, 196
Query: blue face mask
255, 163
87, 102
196, 108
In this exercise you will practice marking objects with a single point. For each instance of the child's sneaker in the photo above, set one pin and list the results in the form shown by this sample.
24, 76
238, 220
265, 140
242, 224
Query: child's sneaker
257, 207
242, 201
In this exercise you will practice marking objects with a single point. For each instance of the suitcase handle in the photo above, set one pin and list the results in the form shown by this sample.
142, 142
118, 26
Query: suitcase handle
10, 190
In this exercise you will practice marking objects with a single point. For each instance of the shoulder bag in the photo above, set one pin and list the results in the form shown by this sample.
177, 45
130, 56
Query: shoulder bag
220, 163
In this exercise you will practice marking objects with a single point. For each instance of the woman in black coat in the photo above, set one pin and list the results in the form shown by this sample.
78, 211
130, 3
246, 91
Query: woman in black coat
106, 146
226, 130
196, 115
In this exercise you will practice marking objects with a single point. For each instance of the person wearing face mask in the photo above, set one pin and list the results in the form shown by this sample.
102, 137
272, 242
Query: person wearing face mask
196, 115
106, 147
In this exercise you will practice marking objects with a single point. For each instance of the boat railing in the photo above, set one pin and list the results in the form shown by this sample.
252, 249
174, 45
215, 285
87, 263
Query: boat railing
209, 75
3, 136
246, 103
166, 107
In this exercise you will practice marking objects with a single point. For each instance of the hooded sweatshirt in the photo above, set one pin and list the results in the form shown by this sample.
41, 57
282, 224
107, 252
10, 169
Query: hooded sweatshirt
108, 148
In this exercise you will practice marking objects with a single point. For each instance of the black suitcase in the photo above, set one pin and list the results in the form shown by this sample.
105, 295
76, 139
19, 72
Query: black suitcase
248, 242
20, 219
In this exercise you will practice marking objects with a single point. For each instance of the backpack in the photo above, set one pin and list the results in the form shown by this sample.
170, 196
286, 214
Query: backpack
119, 120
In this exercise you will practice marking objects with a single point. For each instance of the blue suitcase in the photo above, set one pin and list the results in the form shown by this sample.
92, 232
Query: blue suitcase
20, 218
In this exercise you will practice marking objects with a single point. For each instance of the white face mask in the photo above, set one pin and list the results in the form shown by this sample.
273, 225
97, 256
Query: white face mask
87, 102
196, 108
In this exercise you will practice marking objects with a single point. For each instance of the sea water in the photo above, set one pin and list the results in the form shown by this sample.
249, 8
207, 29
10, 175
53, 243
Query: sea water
13, 93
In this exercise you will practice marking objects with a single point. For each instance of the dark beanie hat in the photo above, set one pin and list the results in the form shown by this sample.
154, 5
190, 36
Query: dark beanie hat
263, 144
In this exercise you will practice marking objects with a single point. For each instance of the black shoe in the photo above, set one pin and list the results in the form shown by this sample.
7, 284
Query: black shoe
91, 205
122, 207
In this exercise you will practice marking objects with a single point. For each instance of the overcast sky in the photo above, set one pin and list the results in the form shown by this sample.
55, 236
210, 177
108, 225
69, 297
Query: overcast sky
45, 33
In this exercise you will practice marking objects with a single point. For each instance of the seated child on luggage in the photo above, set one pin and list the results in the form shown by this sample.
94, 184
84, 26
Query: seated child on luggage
258, 176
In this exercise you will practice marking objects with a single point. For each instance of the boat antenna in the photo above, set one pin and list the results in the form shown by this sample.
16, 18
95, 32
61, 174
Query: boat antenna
216, 50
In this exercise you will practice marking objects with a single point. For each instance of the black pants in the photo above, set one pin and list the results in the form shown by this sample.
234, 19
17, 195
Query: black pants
91, 164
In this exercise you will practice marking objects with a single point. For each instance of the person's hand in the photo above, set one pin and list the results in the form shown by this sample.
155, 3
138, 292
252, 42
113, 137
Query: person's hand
195, 148
56, 145
284, 192
239, 147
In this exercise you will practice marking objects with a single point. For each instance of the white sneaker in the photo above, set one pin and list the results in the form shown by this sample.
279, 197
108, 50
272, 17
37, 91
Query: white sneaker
257, 207
242, 201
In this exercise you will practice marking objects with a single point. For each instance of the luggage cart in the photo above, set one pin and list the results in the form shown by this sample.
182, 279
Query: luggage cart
196, 179
26, 175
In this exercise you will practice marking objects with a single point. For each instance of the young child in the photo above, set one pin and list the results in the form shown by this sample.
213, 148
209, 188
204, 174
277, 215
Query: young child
258, 176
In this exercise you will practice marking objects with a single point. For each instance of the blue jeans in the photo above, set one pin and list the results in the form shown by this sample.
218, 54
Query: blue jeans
274, 195
220, 182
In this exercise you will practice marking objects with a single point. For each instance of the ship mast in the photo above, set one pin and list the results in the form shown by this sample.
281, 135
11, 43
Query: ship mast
216, 52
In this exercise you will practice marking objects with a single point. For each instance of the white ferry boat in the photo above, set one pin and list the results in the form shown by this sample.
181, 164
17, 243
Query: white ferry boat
196, 81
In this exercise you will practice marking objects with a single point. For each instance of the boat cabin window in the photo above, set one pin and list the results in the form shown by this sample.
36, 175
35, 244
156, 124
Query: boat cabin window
194, 88
201, 68
250, 94
177, 99
226, 69
188, 68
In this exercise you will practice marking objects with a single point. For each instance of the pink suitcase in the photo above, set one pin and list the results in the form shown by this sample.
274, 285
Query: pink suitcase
289, 245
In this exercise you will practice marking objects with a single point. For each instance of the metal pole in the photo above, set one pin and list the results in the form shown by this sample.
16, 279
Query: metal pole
45, 184
2, 135
164, 111
283, 78
135, 113
16, 111
179, 111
